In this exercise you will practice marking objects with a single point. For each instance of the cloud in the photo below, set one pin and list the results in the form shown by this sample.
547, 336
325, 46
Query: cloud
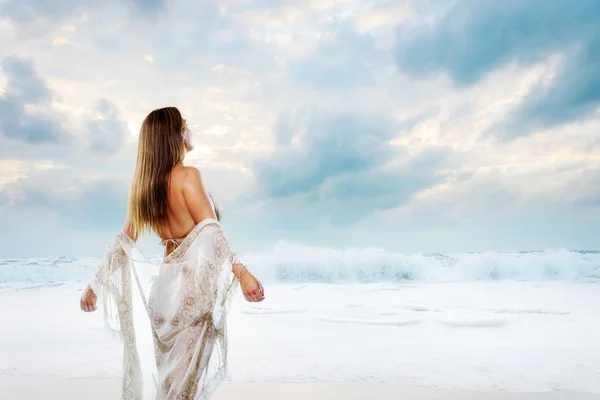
573, 95
4, 199
34, 124
108, 131
342, 166
353, 197
475, 38
584, 187
342, 60
60, 180
526, 191
26, 89
26, 13
327, 146
78, 200
23, 81
29, 12
100, 205
150, 6
380, 153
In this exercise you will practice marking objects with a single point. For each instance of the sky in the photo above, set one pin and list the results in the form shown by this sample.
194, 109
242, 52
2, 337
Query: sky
413, 126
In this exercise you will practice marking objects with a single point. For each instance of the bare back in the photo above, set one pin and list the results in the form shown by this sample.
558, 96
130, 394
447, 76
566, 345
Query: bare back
188, 203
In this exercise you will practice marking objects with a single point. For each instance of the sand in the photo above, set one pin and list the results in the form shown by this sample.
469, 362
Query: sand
502, 340
520, 337
17, 388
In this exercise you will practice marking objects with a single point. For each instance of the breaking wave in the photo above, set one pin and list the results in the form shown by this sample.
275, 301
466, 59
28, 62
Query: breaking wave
295, 263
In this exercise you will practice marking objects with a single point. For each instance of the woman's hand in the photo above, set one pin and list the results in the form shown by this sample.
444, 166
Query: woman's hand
88, 300
251, 287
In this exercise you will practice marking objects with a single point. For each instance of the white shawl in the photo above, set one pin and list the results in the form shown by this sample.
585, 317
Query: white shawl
174, 340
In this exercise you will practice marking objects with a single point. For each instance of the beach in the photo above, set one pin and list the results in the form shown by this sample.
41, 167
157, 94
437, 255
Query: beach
414, 183
102, 389
405, 338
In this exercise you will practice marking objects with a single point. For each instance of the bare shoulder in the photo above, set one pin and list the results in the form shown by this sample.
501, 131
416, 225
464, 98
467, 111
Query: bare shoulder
186, 178
178, 174
191, 171
195, 195
192, 177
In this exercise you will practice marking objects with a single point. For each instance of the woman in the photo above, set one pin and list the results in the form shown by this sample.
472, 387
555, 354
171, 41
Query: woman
183, 317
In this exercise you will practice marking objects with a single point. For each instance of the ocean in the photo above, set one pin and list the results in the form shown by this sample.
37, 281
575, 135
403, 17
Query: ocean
525, 321
295, 263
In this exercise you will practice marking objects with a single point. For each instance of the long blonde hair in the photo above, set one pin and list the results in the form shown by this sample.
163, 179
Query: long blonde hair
161, 146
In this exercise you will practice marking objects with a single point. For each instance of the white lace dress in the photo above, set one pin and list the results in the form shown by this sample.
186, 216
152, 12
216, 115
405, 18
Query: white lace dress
182, 321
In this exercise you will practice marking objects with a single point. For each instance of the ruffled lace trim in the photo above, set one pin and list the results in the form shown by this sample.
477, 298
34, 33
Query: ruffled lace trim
113, 281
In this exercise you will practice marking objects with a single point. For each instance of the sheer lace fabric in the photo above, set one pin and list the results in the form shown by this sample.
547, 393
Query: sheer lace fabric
181, 323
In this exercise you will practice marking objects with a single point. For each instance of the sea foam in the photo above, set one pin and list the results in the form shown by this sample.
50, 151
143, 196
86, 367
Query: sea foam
295, 263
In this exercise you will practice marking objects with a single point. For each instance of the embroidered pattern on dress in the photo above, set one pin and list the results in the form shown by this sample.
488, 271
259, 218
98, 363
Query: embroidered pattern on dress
190, 328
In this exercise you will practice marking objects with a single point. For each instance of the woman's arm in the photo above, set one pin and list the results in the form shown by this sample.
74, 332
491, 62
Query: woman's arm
129, 230
198, 202
200, 207
196, 197
89, 297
